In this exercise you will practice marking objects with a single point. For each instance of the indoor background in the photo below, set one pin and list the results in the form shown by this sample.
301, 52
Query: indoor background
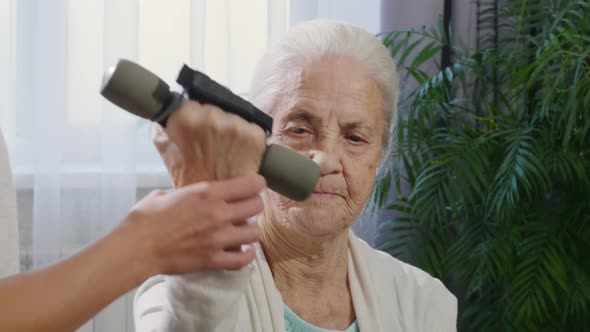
79, 163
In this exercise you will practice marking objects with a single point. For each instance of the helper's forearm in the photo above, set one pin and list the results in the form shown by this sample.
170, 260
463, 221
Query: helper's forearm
64, 296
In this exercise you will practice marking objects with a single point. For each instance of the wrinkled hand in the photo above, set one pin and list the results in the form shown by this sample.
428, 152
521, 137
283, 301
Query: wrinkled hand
203, 143
197, 227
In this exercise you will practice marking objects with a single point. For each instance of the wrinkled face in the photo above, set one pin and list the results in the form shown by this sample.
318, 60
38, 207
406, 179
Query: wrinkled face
332, 113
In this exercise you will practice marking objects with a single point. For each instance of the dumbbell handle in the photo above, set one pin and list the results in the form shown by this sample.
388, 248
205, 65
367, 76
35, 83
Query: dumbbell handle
140, 92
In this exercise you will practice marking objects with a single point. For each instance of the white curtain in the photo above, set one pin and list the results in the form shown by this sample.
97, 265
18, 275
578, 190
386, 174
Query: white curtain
76, 157
84, 158
79, 162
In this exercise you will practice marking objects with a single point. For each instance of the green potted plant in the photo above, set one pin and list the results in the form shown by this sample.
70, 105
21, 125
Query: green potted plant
493, 151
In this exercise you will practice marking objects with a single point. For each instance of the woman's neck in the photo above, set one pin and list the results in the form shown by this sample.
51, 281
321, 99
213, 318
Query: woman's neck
310, 272
307, 263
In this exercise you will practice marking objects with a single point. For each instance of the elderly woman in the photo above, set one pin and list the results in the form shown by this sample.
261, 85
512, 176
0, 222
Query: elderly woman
332, 90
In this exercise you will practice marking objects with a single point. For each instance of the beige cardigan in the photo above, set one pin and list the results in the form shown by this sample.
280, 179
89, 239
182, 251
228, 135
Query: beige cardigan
387, 294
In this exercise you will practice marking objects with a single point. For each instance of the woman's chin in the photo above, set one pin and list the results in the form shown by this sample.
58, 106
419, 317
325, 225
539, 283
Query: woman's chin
319, 221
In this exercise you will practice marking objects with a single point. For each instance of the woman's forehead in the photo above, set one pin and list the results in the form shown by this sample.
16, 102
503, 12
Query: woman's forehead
337, 74
337, 85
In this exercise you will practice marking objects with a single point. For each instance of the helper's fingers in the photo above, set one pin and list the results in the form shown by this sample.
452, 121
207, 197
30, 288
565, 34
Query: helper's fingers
237, 212
231, 260
238, 188
196, 190
232, 237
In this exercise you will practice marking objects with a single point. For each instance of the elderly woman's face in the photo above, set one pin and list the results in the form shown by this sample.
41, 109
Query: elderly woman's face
332, 113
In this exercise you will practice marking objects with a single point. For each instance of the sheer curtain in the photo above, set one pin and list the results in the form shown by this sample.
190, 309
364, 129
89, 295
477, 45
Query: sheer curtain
79, 162
83, 158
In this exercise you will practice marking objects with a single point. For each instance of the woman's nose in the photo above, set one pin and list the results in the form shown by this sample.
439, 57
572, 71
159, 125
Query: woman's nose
328, 161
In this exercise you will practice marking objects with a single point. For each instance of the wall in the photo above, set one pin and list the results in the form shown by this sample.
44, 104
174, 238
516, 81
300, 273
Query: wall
365, 14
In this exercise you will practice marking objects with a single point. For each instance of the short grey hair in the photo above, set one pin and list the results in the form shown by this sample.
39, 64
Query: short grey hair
318, 38
314, 39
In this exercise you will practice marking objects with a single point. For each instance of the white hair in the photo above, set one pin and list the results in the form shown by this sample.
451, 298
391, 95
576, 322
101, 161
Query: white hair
318, 38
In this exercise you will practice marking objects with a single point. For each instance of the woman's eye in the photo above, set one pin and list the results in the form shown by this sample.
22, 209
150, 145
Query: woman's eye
299, 131
354, 139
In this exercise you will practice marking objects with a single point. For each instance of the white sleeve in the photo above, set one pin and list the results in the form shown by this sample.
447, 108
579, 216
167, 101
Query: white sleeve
148, 304
204, 301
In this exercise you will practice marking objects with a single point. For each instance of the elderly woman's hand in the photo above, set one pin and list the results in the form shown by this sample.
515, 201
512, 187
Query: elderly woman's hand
203, 143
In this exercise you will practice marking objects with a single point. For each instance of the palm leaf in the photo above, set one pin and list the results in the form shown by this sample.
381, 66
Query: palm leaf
494, 150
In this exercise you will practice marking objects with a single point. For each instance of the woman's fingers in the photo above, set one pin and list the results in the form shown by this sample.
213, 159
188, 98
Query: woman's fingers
204, 143
159, 136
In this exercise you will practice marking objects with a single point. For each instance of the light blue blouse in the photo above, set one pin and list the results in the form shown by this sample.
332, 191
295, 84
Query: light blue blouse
294, 323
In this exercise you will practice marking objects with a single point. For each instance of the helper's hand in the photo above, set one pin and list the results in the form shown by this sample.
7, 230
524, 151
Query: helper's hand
203, 143
196, 227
